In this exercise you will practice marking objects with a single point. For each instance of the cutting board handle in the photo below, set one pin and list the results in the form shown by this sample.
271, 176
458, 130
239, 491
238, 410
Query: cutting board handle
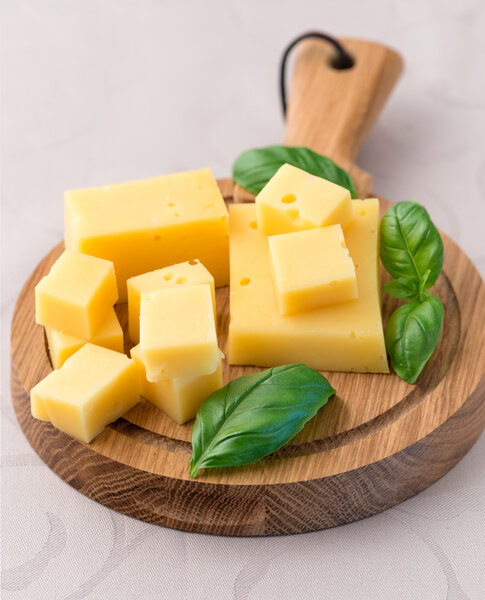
331, 110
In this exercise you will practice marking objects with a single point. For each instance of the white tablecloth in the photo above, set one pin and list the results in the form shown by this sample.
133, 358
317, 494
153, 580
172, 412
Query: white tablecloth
98, 92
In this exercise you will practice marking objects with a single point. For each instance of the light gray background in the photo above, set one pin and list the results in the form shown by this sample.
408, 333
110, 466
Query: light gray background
99, 92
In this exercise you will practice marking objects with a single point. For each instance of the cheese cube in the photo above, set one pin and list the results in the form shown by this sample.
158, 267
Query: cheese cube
94, 387
77, 294
311, 268
178, 398
188, 273
294, 200
62, 346
177, 333
339, 337
145, 225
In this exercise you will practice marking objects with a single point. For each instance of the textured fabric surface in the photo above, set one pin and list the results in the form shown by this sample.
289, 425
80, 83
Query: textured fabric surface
98, 92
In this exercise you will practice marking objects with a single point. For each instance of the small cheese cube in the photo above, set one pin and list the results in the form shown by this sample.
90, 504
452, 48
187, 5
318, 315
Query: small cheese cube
145, 225
294, 200
311, 268
188, 273
77, 294
178, 398
177, 333
62, 346
338, 337
94, 387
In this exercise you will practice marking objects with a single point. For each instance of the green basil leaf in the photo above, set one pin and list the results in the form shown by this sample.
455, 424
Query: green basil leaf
255, 415
254, 168
403, 288
412, 334
411, 244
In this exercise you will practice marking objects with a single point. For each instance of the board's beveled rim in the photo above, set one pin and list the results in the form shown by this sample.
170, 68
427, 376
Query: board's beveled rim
207, 477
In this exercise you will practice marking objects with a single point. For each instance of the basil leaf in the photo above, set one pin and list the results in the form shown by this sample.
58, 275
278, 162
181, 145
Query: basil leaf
411, 244
412, 334
255, 415
403, 288
254, 168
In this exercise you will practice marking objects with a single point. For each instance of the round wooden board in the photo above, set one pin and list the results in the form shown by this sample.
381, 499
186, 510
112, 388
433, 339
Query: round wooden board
376, 443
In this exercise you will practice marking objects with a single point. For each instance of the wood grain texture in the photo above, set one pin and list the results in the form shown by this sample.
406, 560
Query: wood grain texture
378, 442
332, 111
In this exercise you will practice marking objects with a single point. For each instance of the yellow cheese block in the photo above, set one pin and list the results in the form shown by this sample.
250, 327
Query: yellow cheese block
188, 273
77, 294
62, 346
178, 333
311, 268
94, 387
145, 225
178, 398
340, 337
294, 200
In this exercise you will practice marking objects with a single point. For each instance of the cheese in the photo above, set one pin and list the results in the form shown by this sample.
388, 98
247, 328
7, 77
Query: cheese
152, 223
77, 294
178, 398
294, 200
94, 387
188, 273
177, 333
339, 337
311, 268
62, 346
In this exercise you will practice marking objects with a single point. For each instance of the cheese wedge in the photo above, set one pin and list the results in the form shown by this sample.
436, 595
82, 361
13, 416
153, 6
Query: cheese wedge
177, 333
152, 223
178, 398
191, 272
62, 346
294, 200
339, 337
94, 387
311, 268
77, 294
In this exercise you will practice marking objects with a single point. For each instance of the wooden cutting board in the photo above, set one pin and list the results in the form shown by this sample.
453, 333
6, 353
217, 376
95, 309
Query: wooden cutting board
376, 443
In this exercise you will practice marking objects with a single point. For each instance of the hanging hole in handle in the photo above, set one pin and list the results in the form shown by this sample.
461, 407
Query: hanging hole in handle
341, 62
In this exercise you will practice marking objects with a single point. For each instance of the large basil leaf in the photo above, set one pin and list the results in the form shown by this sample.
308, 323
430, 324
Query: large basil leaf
412, 334
410, 244
254, 168
255, 415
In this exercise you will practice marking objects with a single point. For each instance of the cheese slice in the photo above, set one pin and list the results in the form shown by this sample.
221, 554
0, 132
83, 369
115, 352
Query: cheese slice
62, 346
191, 272
178, 398
339, 337
294, 200
178, 333
94, 387
77, 294
152, 223
311, 268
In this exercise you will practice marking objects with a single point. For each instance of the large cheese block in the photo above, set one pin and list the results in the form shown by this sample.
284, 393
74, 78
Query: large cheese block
94, 387
191, 272
153, 223
178, 398
62, 346
294, 200
339, 337
311, 268
77, 294
177, 333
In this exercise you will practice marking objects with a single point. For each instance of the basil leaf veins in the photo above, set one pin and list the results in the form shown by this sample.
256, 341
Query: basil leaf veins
254, 415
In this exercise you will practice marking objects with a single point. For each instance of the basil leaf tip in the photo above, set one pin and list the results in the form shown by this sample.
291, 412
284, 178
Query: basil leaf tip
254, 168
255, 415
